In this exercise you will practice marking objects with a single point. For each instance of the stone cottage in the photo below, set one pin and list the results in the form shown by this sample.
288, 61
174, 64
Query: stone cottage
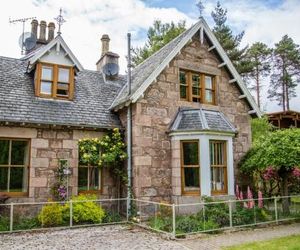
190, 109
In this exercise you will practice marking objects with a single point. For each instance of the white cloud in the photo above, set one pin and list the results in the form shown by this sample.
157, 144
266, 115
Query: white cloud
86, 22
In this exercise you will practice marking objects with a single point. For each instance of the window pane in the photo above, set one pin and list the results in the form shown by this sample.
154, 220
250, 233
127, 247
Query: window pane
182, 78
218, 179
196, 80
191, 177
63, 75
19, 152
46, 88
3, 179
62, 89
208, 82
4, 149
183, 91
94, 178
209, 95
18, 179
82, 178
47, 73
190, 153
196, 91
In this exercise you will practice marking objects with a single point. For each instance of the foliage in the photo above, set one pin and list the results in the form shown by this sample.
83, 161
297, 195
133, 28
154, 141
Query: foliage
56, 214
259, 55
27, 223
85, 209
4, 223
158, 35
109, 151
286, 72
59, 188
217, 212
260, 127
230, 42
111, 217
51, 215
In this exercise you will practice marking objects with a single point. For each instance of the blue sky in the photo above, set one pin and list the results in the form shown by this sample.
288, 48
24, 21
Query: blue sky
262, 20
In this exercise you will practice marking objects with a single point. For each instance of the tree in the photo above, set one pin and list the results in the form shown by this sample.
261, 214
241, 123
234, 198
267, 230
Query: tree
286, 72
260, 127
158, 35
278, 151
259, 56
230, 42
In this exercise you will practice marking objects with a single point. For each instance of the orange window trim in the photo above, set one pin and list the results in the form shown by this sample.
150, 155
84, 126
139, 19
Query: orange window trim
202, 87
55, 82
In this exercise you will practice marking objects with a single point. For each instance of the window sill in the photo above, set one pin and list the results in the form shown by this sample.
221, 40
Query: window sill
14, 194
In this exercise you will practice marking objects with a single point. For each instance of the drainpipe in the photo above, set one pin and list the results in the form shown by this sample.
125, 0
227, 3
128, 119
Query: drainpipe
129, 127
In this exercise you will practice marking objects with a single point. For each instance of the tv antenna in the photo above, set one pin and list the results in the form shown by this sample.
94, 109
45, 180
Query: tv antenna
22, 38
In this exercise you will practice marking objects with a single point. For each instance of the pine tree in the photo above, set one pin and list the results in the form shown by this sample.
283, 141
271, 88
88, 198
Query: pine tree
158, 35
259, 56
230, 42
286, 72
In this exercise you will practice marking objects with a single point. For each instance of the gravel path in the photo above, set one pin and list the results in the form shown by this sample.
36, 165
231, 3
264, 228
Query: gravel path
128, 237
105, 237
215, 242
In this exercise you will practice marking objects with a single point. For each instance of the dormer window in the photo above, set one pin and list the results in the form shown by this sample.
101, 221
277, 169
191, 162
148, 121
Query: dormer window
54, 81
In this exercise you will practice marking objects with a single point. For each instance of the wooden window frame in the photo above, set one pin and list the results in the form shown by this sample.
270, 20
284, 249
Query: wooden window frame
183, 191
55, 82
202, 87
99, 191
224, 166
17, 194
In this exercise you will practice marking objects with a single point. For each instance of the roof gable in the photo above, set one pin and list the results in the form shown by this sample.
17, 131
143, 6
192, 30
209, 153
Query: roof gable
147, 72
57, 44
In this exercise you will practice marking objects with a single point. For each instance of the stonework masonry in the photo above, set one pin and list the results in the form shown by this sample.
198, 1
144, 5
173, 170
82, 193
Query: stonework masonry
152, 115
47, 146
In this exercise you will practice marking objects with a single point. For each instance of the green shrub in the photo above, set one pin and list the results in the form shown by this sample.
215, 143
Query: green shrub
4, 223
218, 213
27, 223
85, 209
111, 217
51, 215
161, 223
187, 224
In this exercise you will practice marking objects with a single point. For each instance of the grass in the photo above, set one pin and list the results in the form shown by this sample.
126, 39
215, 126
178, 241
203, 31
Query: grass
284, 243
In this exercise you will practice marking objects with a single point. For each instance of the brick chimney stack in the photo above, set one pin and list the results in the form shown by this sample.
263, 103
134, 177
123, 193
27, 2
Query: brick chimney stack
34, 27
42, 37
51, 28
105, 44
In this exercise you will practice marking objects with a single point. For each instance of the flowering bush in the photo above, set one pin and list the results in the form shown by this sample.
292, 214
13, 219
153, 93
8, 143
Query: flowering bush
270, 174
59, 189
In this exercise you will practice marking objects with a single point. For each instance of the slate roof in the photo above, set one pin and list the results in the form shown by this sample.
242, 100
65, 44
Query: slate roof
90, 107
201, 120
143, 70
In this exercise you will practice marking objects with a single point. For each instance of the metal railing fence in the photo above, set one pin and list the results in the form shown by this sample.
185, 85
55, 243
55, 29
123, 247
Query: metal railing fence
172, 219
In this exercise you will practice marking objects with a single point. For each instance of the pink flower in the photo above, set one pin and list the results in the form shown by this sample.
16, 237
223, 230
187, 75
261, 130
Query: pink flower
296, 172
269, 173
250, 198
260, 199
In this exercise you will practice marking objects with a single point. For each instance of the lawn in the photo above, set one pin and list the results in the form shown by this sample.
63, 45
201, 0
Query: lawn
285, 243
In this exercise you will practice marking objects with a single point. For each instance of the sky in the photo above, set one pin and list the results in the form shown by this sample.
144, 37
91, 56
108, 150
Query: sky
262, 20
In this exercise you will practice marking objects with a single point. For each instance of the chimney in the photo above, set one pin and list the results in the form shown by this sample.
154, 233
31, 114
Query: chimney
105, 44
51, 28
34, 27
108, 63
42, 38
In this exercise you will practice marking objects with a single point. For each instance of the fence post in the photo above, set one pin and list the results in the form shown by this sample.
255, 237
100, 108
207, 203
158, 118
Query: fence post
127, 209
276, 211
174, 221
230, 213
11, 222
71, 213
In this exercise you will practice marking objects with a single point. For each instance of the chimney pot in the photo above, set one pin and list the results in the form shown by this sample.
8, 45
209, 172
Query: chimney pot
43, 26
34, 27
105, 44
51, 28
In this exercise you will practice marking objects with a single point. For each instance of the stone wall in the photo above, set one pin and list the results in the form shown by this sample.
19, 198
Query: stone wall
47, 146
152, 115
